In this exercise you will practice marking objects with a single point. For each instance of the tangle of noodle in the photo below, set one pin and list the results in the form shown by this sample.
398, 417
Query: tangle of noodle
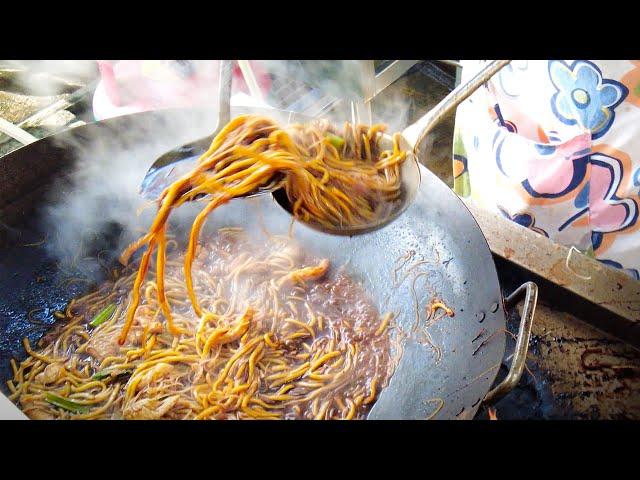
278, 339
324, 185
249, 334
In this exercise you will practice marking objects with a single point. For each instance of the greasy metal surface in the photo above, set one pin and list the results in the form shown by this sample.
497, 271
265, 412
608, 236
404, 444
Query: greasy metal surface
449, 253
588, 278
592, 375
391, 73
557, 384
23, 93
574, 371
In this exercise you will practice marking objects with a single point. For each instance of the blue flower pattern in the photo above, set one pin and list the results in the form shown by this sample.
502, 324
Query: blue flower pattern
527, 220
583, 97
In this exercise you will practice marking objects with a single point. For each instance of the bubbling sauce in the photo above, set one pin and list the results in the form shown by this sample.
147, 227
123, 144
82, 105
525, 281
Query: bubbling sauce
284, 335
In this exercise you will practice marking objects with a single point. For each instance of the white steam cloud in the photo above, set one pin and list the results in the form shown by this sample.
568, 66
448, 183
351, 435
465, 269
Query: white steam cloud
102, 190
50, 77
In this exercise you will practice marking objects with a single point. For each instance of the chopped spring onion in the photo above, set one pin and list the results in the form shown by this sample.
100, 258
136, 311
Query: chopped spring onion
335, 140
101, 375
66, 404
104, 315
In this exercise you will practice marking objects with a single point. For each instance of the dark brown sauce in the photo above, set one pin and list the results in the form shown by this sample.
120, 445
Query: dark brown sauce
231, 263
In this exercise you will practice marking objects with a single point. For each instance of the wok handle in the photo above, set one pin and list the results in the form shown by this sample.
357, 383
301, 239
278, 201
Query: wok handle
415, 133
522, 343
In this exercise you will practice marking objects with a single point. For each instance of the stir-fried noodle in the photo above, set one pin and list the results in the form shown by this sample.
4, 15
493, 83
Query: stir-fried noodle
231, 329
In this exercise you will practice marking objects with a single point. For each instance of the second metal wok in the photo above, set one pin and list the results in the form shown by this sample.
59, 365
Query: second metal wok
88, 177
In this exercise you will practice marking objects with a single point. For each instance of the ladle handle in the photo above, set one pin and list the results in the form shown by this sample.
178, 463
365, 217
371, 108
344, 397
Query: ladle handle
416, 132
224, 92
518, 362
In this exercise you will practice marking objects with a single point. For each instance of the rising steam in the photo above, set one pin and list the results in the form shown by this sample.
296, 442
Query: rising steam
100, 197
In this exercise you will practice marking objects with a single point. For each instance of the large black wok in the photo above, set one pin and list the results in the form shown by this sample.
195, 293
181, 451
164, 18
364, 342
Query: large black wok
87, 177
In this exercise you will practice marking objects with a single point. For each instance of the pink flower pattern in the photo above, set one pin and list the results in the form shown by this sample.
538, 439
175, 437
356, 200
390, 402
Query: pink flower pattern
572, 183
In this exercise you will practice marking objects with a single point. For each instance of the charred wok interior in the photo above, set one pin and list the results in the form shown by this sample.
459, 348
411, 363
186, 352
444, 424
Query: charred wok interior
400, 269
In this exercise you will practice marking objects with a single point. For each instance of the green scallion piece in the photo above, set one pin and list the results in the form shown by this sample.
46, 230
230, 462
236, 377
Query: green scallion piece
101, 375
66, 404
335, 140
103, 316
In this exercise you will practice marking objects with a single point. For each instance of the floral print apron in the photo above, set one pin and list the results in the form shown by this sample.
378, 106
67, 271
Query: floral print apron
555, 146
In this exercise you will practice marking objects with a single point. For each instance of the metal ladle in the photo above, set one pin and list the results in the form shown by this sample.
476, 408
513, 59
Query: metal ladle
173, 164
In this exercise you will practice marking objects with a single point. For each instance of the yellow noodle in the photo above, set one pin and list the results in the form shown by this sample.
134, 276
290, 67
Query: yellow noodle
262, 348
